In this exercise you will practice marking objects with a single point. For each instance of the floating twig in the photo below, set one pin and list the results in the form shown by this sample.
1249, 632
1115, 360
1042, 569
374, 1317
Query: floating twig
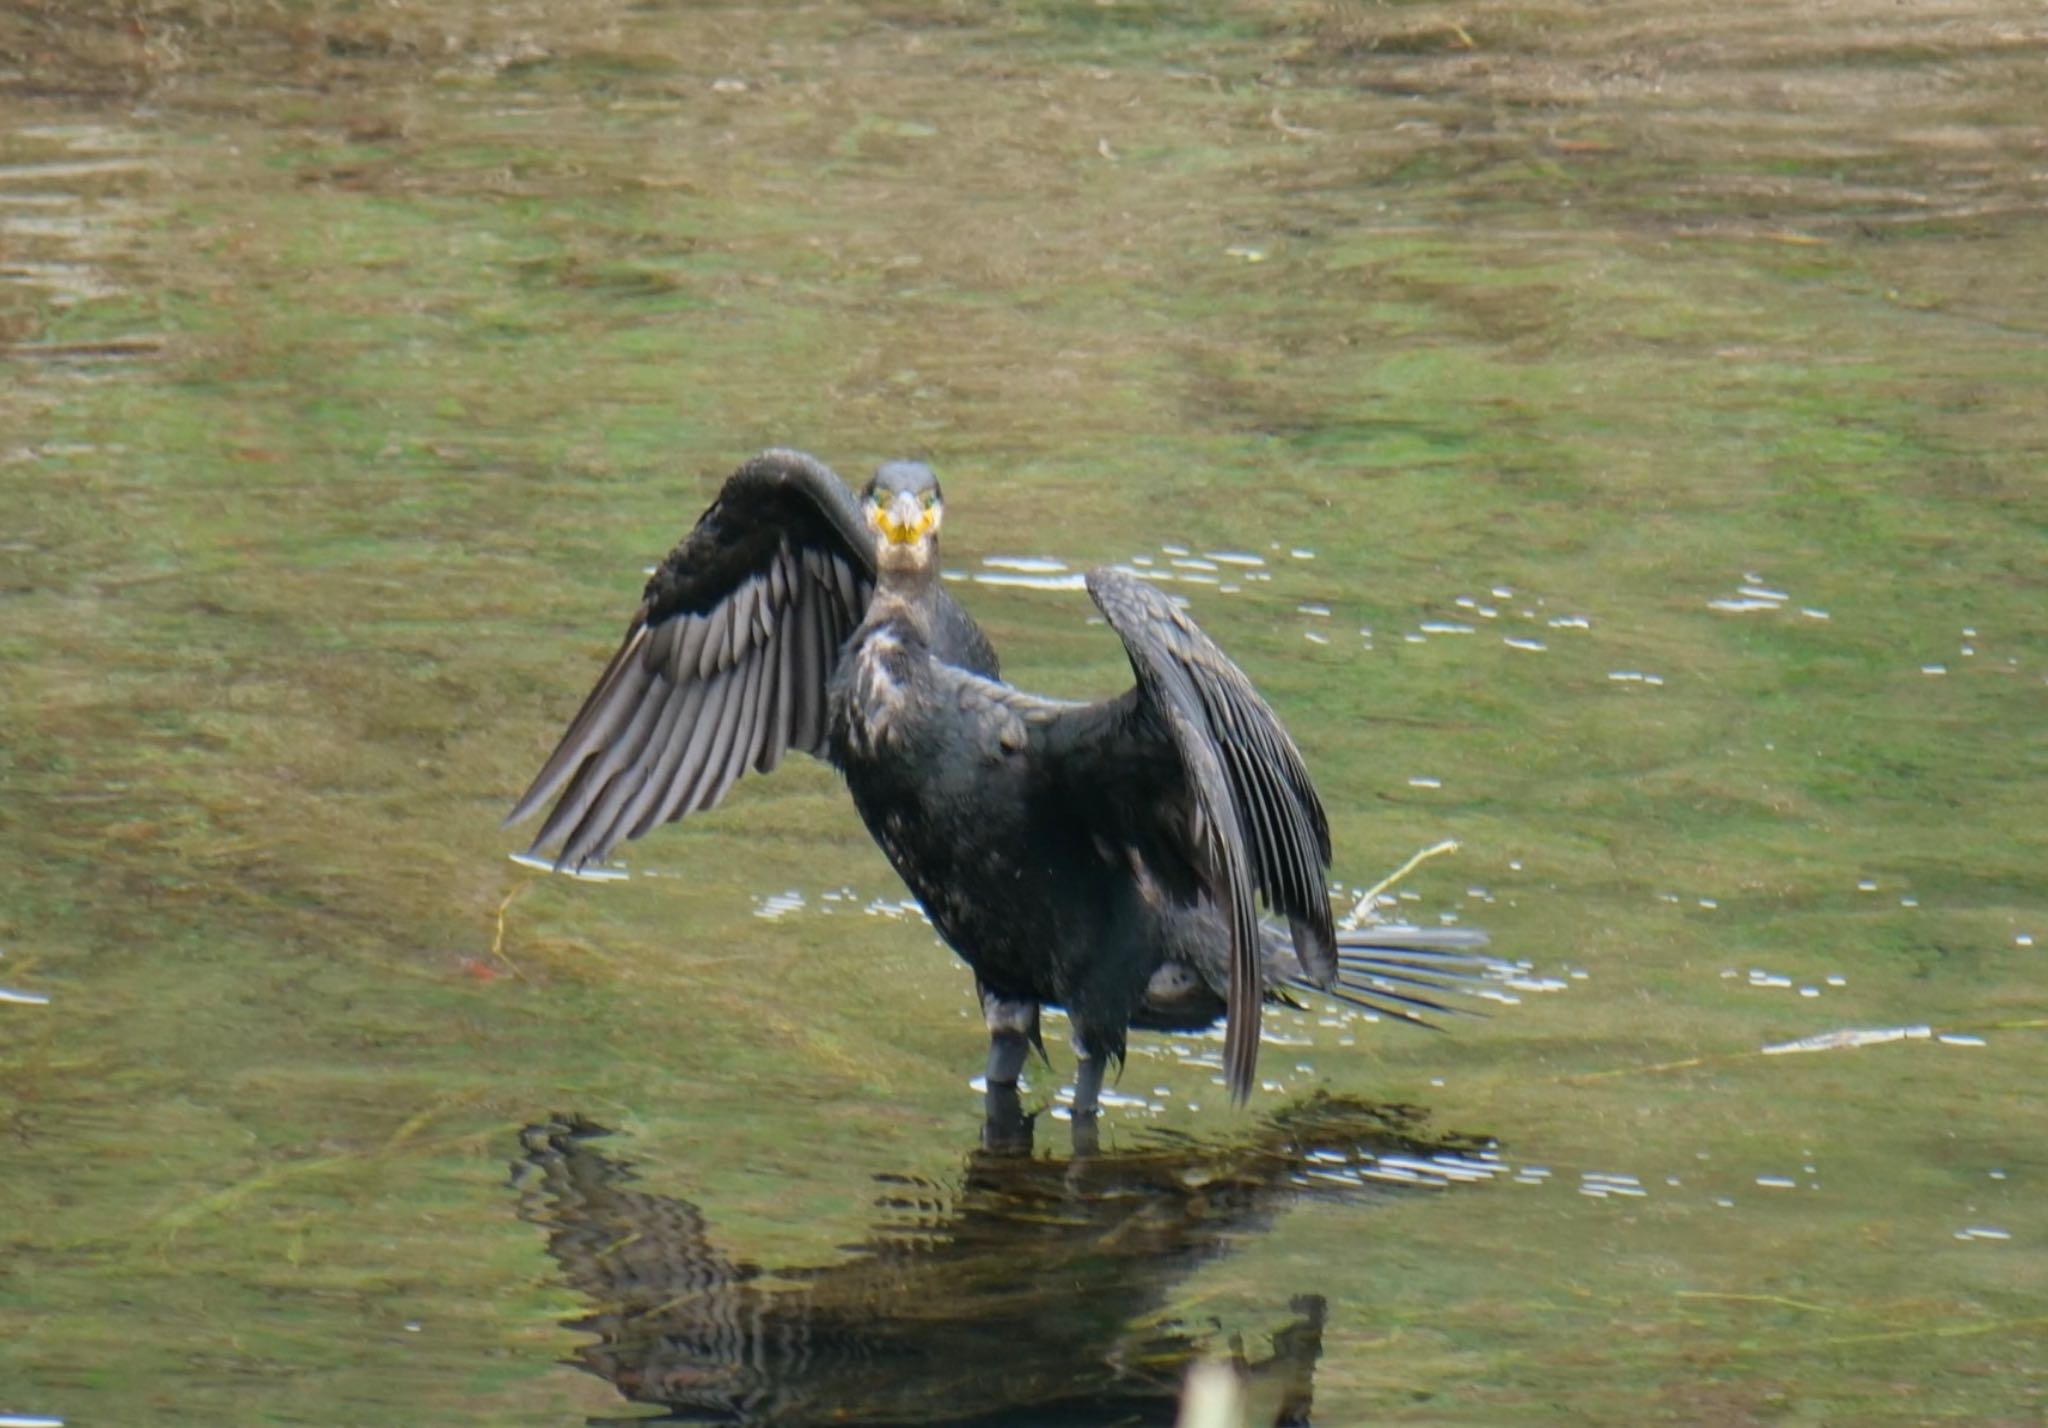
1361, 910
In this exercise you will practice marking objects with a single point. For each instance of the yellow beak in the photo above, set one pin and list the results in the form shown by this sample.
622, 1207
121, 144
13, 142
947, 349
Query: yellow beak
907, 520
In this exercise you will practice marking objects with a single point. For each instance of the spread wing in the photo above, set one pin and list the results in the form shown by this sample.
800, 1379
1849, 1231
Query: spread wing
725, 664
1258, 825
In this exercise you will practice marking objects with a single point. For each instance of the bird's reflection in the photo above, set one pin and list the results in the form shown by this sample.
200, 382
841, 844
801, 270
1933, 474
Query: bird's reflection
1030, 1292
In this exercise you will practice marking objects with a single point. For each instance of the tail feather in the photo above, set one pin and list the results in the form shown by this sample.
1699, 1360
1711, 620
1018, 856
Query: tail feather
1381, 1004
1377, 965
1404, 936
1368, 978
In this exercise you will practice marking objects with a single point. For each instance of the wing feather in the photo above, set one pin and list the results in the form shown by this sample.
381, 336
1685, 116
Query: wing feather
778, 699
711, 784
605, 710
711, 654
725, 663
808, 660
596, 796
1256, 821
689, 772
665, 778
851, 599
742, 749
1273, 764
620, 738
739, 620
664, 747
686, 644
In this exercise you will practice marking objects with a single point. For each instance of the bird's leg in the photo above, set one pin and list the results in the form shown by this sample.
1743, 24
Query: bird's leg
1087, 1081
1005, 1128
1007, 1053
1012, 1032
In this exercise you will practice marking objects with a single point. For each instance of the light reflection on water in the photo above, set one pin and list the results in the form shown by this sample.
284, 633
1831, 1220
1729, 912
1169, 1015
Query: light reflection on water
64, 215
1045, 572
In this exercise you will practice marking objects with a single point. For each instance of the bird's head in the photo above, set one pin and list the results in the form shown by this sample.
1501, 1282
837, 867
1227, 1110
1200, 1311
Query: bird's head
904, 508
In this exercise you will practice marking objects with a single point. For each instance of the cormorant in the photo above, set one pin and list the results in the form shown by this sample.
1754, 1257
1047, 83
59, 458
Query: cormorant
1099, 857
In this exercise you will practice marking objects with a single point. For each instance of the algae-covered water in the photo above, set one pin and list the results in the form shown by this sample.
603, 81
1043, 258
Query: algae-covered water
1613, 437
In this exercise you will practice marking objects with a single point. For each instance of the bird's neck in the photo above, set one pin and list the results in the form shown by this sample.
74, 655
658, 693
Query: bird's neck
909, 574
904, 597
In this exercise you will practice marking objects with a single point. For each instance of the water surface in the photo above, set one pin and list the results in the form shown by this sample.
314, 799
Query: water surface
1611, 438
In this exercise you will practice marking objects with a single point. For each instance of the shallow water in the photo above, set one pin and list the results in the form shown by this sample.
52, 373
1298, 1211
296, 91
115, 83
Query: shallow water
1611, 438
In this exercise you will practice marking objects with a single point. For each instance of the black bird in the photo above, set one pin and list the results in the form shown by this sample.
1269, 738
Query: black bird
1099, 857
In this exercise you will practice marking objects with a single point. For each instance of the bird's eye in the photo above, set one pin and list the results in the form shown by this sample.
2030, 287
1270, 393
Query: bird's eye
931, 498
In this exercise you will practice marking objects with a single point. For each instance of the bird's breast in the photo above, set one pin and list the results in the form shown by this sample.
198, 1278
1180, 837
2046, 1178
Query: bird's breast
876, 696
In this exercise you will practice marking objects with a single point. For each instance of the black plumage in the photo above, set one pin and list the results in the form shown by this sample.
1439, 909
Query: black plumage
1106, 858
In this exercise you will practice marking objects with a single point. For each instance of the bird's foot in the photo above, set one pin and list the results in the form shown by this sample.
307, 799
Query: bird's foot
1004, 1126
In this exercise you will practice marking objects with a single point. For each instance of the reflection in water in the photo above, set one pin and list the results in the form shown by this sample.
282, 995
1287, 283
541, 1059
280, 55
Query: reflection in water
1028, 1292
